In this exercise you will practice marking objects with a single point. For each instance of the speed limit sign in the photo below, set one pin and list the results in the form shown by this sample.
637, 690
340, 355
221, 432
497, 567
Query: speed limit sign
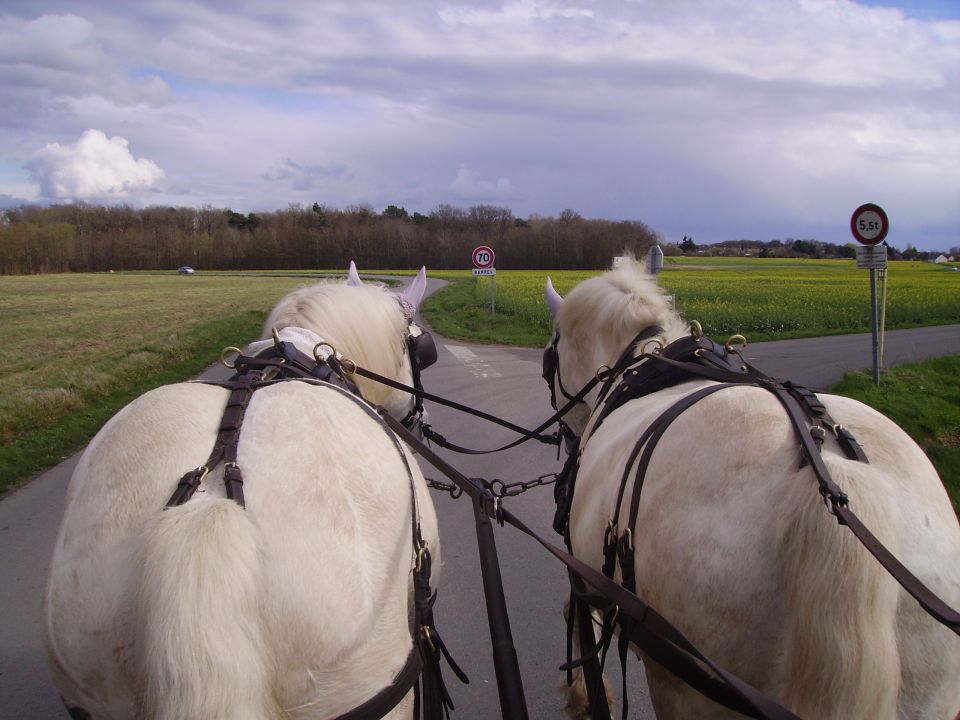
483, 257
869, 224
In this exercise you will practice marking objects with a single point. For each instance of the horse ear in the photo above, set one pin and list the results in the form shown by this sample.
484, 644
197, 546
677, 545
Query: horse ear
352, 277
553, 298
413, 293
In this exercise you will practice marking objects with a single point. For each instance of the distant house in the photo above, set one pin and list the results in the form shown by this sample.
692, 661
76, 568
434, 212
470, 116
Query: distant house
941, 259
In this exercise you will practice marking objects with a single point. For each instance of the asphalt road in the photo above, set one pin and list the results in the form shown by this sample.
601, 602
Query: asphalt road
500, 380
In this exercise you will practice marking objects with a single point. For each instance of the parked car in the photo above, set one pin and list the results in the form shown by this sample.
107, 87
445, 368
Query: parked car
185, 270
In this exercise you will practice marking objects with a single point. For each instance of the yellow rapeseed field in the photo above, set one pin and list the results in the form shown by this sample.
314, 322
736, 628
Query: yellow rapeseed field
763, 298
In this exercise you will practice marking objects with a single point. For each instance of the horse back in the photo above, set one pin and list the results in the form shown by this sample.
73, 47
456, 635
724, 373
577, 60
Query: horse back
734, 545
317, 563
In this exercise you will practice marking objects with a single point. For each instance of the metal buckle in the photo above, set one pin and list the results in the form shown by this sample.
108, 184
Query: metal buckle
420, 553
429, 637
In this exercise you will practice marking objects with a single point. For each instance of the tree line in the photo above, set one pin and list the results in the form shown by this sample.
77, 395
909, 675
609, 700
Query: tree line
83, 237
806, 248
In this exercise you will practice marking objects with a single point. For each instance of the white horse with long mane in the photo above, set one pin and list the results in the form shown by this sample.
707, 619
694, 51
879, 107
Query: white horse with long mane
734, 546
297, 606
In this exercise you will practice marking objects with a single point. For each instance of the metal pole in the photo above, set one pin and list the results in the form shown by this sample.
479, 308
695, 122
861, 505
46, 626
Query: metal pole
493, 295
883, 311
513, 705
873, 326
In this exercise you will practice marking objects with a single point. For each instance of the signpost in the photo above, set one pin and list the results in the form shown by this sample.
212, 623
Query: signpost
870, 225
483, 257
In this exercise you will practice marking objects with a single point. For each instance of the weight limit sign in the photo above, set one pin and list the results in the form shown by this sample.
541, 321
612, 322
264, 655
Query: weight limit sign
869, 224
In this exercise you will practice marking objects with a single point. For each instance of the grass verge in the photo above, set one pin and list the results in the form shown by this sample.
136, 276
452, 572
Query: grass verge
455, 313
52, 444
924, 399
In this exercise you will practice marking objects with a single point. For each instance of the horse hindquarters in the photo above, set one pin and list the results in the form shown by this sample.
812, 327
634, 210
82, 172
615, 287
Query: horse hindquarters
843, 660
202, 652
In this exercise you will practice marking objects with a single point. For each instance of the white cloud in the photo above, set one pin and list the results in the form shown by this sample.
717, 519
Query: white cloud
95, 167
468, 185
305, 177
64, 55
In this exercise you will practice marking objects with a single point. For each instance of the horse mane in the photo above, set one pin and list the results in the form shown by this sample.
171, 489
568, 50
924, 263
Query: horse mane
364, 323
617, 304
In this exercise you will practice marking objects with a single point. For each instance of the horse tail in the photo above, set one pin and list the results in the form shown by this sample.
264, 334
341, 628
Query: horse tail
842, 658
203, 651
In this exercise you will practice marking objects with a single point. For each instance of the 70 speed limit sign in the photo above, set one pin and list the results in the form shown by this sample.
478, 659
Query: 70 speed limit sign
483, 257
869, 224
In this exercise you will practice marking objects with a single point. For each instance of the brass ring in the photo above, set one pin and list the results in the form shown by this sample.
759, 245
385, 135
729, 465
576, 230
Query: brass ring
276, 336
348, 365
428, 636
223, 356
629, 536
696, 329
656, 341
600, 370
420, 554
735, 340
316, 353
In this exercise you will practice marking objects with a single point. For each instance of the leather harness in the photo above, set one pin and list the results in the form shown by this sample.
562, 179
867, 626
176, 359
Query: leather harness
691, 358
283, 362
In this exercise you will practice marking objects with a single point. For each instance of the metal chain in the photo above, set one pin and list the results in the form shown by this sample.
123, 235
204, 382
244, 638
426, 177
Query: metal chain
498, 488
501, 489
454, 490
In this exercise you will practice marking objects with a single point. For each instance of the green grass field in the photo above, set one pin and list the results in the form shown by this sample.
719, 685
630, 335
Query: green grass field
75, 348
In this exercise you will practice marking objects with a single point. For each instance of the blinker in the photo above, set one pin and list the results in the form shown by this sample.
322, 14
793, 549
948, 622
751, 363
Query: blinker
424, 349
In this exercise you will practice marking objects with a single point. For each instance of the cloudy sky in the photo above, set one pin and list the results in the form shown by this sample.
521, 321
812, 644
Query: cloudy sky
719, 119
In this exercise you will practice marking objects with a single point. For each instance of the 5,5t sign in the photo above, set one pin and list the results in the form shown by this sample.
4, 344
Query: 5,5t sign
869, 224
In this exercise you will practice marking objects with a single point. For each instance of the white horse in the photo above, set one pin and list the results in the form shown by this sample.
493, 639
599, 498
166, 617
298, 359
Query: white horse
297, 606
734, 545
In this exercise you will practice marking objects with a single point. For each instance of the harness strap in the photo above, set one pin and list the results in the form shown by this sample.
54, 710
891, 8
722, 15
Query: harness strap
225, 446
388, 698
839, 505
589, 648
649, 441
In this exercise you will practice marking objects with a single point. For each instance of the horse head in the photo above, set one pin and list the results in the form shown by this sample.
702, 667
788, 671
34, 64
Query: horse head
592, 327
367, 324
